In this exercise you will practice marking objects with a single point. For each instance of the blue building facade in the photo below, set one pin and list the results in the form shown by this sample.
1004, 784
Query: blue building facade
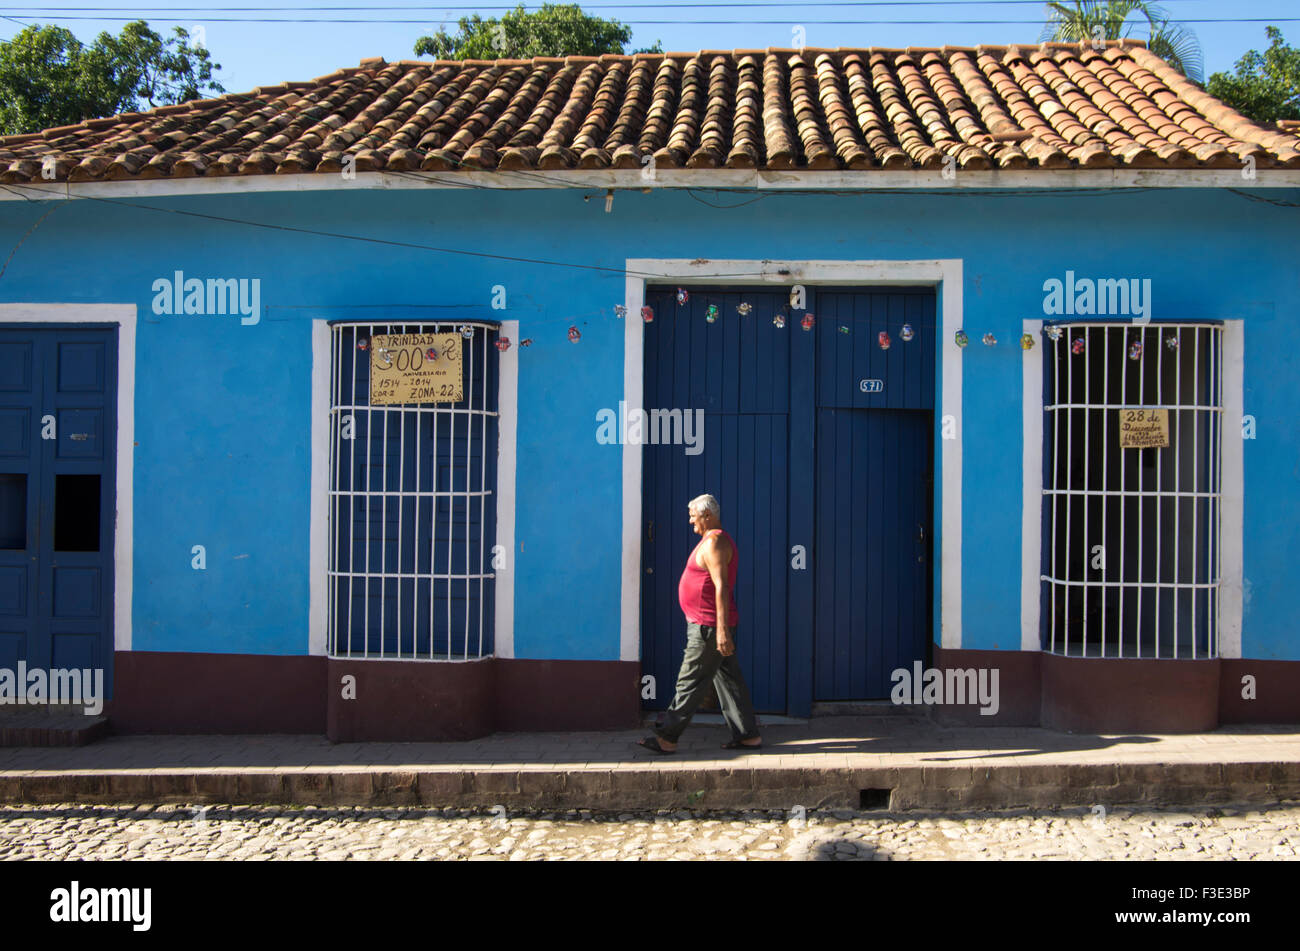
221, 557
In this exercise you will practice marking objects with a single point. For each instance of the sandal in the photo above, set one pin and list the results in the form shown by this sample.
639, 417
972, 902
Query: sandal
737, 745
652, 744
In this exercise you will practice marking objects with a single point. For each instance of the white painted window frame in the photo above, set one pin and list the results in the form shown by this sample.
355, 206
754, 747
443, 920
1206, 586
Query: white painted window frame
945, 275
124, 315
1232, 491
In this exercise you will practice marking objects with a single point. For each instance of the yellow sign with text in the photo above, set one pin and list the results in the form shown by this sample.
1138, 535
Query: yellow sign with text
1143, 428
415, 368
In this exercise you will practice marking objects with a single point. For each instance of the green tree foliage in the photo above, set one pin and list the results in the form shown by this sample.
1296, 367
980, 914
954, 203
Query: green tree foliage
1110, 20
1266, 86
50, 78
557, 29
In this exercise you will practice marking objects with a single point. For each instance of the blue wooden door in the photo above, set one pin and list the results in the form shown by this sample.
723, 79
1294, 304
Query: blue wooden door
824, 482
736, 370
58, 438
873, 490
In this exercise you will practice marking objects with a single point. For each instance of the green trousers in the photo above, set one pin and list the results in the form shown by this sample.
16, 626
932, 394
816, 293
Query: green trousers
702, 665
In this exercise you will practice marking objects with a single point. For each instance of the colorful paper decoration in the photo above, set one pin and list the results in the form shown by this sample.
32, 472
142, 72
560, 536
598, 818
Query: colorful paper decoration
620, 311
989, 340
1171, 343
363, 343
711, 313
906, 333
844, 328
503, 344
466, 331
575, 334
1135, 350
743, 308
778, 320
1026, 341
431, 353
882, 338
1077, 346
961, 339
648, 314
808, 321
682, 295
526, 342
1053, 332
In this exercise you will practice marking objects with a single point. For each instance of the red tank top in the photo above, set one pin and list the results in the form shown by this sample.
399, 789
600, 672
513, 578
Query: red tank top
695, 591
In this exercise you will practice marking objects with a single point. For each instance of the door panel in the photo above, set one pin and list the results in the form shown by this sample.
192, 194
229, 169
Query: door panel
800, 452
57, 494
735, 370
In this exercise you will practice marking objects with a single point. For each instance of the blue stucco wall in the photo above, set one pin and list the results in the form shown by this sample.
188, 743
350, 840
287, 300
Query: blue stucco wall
222, 409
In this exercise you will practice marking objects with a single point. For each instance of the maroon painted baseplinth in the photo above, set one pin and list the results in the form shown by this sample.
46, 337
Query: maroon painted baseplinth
1094, 695
1276, 689
543, 695
409, 700
1019, 687
167, 692
172, 692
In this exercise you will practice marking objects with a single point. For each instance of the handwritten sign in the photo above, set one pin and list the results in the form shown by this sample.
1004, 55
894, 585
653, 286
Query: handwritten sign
415, 368
1143, 428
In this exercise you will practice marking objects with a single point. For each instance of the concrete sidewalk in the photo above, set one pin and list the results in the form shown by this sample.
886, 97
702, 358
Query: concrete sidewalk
857, 762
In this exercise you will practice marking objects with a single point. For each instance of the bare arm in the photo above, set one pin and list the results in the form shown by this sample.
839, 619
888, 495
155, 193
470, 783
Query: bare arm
717, 556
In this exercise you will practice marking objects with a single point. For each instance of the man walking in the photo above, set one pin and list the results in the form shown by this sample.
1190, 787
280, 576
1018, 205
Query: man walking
707, 597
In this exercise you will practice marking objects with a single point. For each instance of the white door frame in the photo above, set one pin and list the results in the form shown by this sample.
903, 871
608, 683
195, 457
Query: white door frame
124, 315
944, 274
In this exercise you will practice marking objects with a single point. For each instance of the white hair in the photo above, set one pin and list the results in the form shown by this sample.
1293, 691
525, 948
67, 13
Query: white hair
708, 504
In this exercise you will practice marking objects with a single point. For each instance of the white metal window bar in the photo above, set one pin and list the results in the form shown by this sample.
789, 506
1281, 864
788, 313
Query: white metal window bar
1131, 536
412, 506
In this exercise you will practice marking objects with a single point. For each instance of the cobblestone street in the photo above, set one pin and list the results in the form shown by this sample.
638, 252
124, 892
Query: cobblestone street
225, 832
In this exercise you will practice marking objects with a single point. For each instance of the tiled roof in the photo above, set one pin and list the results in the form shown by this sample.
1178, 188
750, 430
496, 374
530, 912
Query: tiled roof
1049, 106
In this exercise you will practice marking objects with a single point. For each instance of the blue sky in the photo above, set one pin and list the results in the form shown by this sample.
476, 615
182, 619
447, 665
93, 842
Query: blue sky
262, 53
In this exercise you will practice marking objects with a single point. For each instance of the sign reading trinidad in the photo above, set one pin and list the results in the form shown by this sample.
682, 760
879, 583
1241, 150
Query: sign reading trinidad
415, 368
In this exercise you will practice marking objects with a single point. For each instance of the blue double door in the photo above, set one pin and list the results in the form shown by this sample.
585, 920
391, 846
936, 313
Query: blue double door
818, 445
58, 437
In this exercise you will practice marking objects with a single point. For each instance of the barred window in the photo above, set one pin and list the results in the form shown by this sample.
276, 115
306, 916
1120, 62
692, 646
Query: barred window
412, 499
1130, 556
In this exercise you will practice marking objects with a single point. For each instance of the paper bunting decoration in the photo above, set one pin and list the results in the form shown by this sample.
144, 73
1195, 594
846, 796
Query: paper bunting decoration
990, 340
743, 308
711, 313
620, 311
778, 320
682, 295
503, 344
844, 328
1077, 346
1053, 332
648, 314
526, 342
1171, 343
906, 333
466, 331
808, 321
960, 338
575, 334
363, 343
1135, 350
882, 338
1026, 341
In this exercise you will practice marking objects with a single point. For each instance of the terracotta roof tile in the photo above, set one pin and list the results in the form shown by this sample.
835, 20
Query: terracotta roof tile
1051, 105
